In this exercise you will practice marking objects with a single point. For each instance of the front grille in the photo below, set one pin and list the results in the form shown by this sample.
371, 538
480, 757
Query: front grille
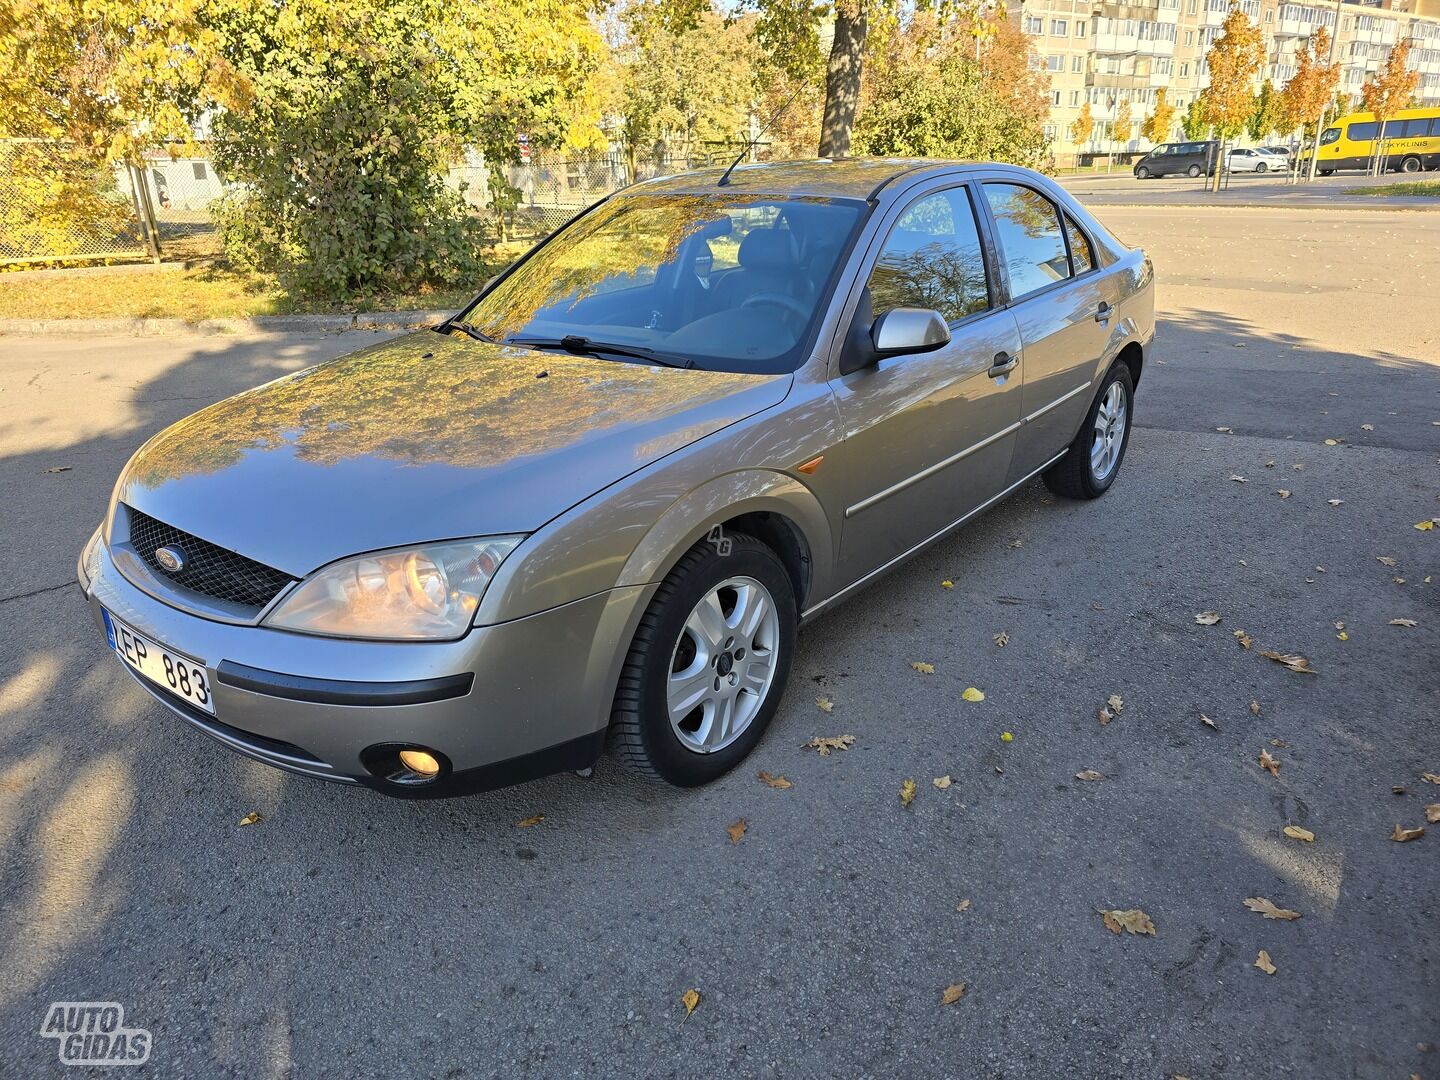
209, 569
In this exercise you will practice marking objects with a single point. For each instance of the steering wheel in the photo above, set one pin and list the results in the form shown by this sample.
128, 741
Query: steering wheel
780, 300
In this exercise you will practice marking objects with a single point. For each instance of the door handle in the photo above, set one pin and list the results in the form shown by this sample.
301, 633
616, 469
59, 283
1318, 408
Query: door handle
1102, 313
1003, 364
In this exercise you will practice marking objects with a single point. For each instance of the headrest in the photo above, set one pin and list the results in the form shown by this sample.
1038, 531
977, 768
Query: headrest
768, 249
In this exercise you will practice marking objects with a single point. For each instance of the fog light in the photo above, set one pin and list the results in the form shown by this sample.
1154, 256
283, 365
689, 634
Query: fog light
421, 762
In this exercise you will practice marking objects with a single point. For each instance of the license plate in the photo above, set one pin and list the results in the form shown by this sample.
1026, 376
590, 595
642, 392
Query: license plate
180, 675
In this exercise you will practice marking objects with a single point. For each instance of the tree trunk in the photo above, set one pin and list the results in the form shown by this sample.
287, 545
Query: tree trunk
842, 80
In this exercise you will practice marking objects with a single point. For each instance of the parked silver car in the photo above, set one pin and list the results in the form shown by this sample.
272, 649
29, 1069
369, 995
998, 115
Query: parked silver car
600, 501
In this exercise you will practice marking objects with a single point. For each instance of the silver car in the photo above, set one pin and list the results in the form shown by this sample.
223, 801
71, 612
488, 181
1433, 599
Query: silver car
598, 503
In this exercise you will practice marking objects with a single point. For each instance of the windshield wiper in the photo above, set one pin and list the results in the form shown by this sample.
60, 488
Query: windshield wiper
584, 346
456, 324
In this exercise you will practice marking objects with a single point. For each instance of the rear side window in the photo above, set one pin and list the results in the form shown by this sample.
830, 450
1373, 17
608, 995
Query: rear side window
932, 259
1414, 129
1082, 255
1031, 244
1361, 132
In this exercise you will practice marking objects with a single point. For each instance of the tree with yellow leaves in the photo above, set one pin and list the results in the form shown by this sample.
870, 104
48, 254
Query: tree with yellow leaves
1235, 59
1158, 124
1121, 125
1305, 100
1389, 91
1082, 126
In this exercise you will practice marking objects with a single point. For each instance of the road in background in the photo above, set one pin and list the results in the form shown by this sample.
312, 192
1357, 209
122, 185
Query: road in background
1120, 188
346, 934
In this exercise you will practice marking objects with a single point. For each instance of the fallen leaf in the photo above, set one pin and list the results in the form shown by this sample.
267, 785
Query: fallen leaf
1339, 624
947, 584
922, 667
1116, 702
1244, 639
1263, 963
1279, 743
953, 993
1386, 560
1367, 427
1261, 906
1430, 777
1104, 716
1425, 526
1134, 920
1332, 442
1400, 835
1401, 580
690, 999
1298, 467
530, 821
1432, 812
1272, 765
1006, 736
1270, 464
942, 782
1403, 622
59, 468
1295, 832
963, 905
774, 781
1223, 430
1207, 618
1342, 636
1016, 543
1208, 722
1002, 639
825, 704
1239, 479
970, 693
1089, 774
907, 792
736, 831
1336, 502
1293, 661
1398, 789
251, 818
1255, 707
826, 743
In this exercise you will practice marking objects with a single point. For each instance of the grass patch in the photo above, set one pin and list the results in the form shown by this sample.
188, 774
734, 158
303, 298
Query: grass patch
1430, 188
207, 292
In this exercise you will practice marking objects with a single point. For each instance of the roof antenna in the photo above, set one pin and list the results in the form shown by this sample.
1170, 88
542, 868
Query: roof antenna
724, 180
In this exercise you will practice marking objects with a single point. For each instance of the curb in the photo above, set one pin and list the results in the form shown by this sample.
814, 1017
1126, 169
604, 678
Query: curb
273, 324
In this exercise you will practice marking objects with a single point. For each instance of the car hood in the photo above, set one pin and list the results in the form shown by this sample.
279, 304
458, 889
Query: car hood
422, 438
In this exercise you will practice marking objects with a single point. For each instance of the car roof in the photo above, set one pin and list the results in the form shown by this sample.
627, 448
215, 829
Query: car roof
856, 178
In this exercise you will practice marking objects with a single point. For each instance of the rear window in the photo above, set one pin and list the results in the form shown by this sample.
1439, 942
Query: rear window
1413, 129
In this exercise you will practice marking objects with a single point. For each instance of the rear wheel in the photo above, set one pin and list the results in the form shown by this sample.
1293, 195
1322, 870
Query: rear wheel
708, 663
1410, 165
1090, 466
1193, 171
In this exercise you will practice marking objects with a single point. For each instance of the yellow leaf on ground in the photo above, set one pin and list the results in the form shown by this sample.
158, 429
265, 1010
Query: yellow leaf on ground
970, 693
774, 781
1261, 906
825, 704
1002, 639
1006, 736
1332, 442
1292, 661
1283, 493
1255, 707
1432, 812
963, 905
1425, 526
1133, 919
690, 999
1386, 560
251, 818
1243, 638
1403, 622
1116, 702
947, 584
1430, 777
1208, 722
1208, 618
1400, 835
952, 993
942, 782
1295, 832
922, 667
907, 792
530, 821
1263, 963
1270, 764
736, 831
826, 743
1089, 774
1104, 716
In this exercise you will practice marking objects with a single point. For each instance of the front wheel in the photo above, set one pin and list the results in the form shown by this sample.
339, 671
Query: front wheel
1262, 167
1142, 173
708, 663
1327, 172
1090, 465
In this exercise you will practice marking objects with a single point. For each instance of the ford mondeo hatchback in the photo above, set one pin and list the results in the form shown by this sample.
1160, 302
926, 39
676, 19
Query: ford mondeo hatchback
598, 502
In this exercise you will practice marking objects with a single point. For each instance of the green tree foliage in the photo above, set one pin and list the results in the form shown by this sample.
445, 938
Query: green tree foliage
929, 96
358, 107
1267, 115
1193, 124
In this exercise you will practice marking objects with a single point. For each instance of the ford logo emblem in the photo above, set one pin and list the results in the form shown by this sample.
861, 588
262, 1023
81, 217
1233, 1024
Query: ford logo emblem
171, 559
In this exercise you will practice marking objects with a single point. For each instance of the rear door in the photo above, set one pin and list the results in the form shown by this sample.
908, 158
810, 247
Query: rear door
1064, 307
928, 436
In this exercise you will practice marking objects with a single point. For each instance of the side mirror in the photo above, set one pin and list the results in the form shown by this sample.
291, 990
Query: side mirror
909, 330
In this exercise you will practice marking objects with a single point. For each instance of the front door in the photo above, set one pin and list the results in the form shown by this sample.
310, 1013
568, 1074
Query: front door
928, 437
1063, 303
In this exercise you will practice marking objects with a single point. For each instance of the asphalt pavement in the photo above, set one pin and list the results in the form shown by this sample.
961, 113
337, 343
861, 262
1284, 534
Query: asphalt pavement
345, 934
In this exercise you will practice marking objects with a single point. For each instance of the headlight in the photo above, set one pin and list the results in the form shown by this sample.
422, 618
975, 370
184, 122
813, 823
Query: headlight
430, 591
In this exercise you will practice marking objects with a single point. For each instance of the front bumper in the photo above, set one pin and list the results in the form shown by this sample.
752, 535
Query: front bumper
504, 704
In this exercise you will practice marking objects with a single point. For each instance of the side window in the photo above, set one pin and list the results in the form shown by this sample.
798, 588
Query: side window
1361, 132
1082, 255
1030, 242
932, 259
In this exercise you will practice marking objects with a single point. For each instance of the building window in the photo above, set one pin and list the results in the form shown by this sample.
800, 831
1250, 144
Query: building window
1080, 29
1055, 63
1034, 25
1269, 14
1077, 63
1189, 37
198, 167
1074, 99
1191, 7
1060, 27
1184, 71
1055, 97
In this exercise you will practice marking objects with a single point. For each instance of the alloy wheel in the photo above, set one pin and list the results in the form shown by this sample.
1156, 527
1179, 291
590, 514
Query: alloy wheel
1109, 433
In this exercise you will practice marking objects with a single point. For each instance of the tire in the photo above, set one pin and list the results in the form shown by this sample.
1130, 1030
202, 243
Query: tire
1410, 165
1076, 476
674, 632
1142, 173
1262, 167
1193, 171
1326, 172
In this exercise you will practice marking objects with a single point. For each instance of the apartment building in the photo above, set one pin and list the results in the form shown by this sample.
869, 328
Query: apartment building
1107, 52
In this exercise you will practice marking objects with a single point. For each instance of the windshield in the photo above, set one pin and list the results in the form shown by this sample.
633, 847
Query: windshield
728, 282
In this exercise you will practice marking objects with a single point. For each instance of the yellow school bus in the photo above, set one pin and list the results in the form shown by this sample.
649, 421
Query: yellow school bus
1412, 141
